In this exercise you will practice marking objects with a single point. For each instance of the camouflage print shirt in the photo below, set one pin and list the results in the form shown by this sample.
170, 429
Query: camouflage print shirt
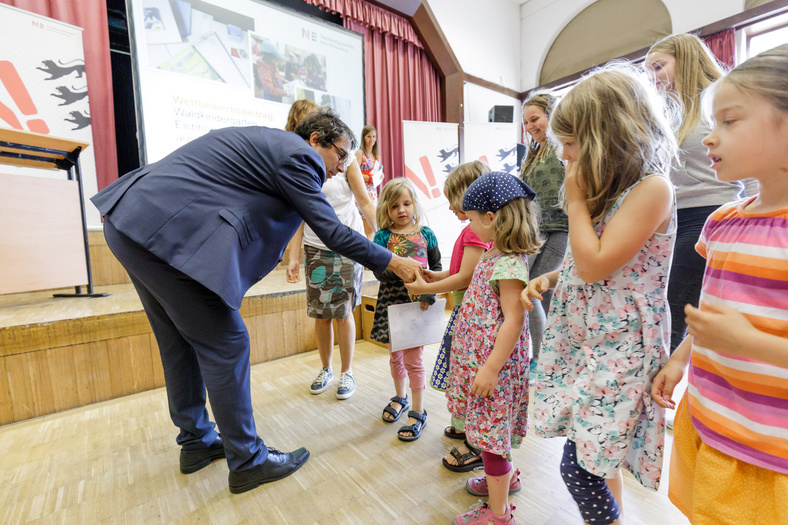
545, 175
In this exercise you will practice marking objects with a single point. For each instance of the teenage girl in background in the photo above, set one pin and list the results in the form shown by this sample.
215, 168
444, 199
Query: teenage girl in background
368, 158
467, 252
488, 386
730, 453
543, 171
682, 67
606, 335
400, 217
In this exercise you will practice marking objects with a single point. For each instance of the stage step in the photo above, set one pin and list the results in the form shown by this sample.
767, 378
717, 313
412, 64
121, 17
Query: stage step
57, 354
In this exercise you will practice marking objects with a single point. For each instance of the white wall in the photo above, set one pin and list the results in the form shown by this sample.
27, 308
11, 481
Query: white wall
485, 37
689, 15
543, 20
506, 43
479, 101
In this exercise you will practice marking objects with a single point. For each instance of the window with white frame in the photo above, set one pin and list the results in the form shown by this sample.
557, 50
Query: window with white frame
761, 36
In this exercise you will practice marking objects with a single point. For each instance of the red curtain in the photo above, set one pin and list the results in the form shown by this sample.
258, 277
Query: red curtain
400, 81
723, 45
91, 16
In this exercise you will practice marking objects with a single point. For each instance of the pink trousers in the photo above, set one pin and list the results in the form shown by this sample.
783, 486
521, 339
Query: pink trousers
409, 363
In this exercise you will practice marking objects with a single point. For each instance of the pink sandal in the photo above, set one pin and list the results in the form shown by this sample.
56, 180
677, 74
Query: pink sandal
478, 486
481, 514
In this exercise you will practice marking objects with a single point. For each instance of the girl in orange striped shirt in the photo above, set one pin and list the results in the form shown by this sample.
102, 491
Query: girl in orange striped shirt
730, 456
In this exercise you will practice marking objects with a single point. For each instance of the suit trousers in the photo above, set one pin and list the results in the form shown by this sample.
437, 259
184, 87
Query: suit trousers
203, 344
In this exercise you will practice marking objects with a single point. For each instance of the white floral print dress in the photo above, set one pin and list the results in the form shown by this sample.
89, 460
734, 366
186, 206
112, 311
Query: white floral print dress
604, 343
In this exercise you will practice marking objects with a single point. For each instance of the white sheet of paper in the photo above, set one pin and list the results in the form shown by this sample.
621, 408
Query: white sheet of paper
411, 326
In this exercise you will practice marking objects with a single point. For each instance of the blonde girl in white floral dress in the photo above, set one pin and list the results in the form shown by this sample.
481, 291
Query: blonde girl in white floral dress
608, 324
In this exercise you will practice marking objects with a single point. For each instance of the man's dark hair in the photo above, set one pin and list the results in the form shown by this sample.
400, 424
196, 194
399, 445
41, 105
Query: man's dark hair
328, 126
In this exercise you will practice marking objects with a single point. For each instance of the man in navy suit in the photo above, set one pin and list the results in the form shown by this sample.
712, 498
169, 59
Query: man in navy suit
195, 231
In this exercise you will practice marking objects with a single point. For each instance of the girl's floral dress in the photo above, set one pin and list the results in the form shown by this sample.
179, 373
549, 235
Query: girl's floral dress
368, 165
498, 423
604, 343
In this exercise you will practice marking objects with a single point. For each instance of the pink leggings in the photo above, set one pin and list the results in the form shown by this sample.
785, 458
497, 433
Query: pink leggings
495, 465
409, 363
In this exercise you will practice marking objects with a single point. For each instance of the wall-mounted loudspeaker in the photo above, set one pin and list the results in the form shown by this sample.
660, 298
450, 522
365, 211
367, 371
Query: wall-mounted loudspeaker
501, 114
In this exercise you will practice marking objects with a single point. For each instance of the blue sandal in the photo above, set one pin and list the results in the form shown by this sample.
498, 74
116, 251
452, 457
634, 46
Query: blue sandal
394, 413
421, 422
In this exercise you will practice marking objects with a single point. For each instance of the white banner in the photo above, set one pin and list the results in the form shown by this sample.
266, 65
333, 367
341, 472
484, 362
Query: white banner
431, 151
43, 88
494, 143
205, 64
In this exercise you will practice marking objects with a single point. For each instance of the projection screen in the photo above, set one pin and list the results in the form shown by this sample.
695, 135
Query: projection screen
204, 65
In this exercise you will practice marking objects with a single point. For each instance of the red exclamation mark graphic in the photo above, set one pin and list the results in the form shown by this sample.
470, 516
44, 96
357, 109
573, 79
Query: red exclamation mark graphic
16, 88
425, 165
416, 181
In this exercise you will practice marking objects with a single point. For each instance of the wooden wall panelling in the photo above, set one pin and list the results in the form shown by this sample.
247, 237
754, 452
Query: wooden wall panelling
141, 362
82, 361
99, 372
6, 408
120, 367
106, 269
20, 387
256, 349
63, 369
43, 388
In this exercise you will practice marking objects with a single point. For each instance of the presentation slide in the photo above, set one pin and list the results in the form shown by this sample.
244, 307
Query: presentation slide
205, 65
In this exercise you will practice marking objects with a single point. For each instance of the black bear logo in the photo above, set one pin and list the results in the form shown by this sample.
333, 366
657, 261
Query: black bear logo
62, 69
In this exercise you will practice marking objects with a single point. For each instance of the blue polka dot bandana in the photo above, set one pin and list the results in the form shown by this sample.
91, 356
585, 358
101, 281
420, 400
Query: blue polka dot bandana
494, 189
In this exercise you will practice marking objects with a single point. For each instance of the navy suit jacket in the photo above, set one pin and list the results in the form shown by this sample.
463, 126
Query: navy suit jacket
223, 207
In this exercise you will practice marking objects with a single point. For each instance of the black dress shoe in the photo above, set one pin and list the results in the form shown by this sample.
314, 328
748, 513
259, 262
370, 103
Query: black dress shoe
278, 465
194, 460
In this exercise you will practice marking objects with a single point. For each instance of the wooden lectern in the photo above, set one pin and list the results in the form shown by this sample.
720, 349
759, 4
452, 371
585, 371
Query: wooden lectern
41, 221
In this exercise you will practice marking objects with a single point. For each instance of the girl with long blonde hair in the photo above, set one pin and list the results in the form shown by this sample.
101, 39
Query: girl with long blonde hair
606, 335
682, 67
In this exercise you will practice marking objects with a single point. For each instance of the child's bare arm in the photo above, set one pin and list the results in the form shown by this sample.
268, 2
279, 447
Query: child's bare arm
431, 277
728, 331
647, 206
666, 380
508, 335
458, 281
536, 287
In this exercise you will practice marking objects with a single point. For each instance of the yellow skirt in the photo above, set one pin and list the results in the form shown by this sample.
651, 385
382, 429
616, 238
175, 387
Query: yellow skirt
713, 488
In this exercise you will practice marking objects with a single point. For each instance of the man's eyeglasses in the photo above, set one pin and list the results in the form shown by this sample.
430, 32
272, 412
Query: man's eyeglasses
344, 158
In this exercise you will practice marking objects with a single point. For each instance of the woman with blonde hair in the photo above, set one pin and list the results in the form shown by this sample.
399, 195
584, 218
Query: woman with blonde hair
682, 67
